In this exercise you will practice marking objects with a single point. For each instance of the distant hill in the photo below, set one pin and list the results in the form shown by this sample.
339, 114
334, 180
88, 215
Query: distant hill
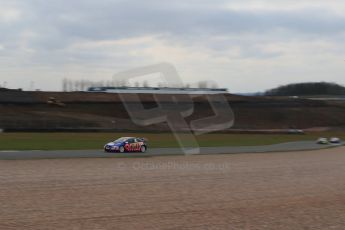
307, 89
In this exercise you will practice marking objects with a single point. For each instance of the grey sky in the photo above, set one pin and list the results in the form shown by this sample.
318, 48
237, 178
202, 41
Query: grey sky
242, 44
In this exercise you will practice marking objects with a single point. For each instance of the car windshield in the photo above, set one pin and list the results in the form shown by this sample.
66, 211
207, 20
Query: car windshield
122, 139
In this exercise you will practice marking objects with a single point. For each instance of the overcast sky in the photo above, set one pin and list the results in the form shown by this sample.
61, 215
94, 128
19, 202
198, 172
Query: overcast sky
244, 45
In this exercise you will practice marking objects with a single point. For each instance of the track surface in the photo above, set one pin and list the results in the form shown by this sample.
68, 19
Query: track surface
295, 190
291, 146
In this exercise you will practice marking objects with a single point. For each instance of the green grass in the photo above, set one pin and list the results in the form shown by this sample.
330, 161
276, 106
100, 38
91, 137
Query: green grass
74, 141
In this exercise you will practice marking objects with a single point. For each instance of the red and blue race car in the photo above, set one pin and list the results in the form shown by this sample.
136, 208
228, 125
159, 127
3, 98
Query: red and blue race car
127, 144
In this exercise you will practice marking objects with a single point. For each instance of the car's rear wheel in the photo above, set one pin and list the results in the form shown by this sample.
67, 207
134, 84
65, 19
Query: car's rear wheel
143, 149
122, 149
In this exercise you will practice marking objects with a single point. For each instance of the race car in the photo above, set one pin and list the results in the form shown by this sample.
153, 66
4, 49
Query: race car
322, 141
334, 140
127, 144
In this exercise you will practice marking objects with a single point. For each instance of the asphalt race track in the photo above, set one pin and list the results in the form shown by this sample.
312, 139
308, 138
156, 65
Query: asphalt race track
61, 154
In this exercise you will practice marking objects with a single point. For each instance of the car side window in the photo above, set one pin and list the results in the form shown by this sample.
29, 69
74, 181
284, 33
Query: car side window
131, 141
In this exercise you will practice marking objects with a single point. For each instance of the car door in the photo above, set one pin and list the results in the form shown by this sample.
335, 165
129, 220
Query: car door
131, 144
136, 144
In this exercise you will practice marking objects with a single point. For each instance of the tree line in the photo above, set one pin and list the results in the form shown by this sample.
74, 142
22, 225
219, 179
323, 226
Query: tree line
83, 85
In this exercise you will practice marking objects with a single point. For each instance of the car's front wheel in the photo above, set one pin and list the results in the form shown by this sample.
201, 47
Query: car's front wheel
122, 149
143, 149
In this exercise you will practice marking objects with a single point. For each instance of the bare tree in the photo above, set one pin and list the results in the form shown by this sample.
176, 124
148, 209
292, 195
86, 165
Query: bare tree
70, 85
146, 84
202, 84
64, 84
